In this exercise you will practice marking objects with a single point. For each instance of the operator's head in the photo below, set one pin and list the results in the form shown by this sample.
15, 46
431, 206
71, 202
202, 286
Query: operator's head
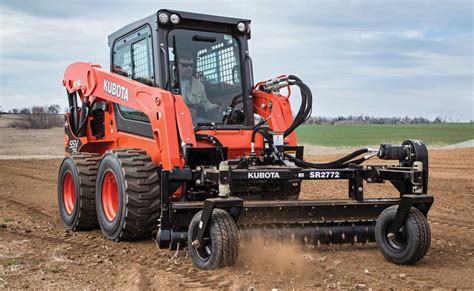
186, 65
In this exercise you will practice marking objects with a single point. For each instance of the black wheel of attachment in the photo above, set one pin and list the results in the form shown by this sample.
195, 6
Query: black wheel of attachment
219, 246
412, 241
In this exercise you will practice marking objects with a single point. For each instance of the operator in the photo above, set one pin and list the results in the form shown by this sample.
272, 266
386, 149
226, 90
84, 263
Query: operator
192, 89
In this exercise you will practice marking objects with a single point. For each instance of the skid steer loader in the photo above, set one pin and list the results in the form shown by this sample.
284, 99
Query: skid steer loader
175, 140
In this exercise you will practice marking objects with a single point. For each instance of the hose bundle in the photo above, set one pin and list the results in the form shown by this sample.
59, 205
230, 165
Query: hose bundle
306, 106
340, 163
303, 114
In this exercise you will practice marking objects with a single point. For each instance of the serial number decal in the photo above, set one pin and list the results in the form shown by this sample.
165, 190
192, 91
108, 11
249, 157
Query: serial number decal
73, 145
116, 90
264, 175
324, 175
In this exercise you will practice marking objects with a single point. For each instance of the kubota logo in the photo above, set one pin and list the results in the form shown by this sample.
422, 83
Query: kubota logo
116, 90
264, 175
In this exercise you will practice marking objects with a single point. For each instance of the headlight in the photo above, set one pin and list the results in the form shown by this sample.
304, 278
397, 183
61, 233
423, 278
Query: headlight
174, 18
241, 27
163, 17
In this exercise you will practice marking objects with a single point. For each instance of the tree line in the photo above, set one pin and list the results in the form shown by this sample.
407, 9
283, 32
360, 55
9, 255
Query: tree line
51, 116
362, 119
36, 117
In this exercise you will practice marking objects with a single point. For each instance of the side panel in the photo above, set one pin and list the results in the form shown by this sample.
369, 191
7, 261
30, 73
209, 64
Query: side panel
90, 80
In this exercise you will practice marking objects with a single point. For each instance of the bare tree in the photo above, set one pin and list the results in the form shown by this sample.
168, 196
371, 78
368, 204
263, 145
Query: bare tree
39, 117
54, 109
361, 119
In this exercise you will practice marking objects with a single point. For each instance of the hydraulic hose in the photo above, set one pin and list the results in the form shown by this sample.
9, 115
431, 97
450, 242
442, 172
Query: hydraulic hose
263, 132
303, 114
354, 162
81, 131
305, 109
340, 163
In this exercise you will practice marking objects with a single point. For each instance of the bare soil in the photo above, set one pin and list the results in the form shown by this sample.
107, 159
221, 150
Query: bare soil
29, 143
36, 251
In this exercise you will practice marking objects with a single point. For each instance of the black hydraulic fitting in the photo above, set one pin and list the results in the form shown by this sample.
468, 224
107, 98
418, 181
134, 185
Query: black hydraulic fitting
393, 152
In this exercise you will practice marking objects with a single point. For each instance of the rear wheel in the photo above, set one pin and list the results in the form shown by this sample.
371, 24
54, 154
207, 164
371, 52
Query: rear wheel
219, 246
76, 191
410, 244
128, 195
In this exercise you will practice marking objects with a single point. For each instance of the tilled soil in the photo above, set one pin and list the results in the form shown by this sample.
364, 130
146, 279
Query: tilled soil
36, 251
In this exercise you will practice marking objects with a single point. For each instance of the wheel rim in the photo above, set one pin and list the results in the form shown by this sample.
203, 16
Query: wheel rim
69, 193
110, 196
204, 251
399, 241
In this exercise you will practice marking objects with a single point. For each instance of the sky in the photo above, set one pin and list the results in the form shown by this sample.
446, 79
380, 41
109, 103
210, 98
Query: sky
365, 57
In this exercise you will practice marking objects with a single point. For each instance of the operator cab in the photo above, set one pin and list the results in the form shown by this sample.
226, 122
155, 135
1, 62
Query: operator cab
203, 58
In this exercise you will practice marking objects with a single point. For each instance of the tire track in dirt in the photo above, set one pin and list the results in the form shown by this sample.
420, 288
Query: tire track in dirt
30, 157
28, 176
447, 207
91, 242
368, 272
447, 264
454, 225
17, 204
37, 178
342, 272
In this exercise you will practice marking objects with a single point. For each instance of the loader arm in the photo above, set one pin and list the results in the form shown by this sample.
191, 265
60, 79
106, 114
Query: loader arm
169, 117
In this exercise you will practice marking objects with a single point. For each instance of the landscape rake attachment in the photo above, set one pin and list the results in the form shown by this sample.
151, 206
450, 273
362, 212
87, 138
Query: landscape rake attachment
175, 140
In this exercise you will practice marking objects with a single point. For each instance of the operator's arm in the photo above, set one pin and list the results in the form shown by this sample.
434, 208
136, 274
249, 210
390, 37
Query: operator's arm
199, 93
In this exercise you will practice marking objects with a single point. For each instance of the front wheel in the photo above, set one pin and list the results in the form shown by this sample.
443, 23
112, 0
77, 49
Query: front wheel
410, 244
219, 246
127, 195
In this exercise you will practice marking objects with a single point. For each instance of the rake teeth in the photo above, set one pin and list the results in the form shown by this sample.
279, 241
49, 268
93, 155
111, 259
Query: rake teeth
314, 233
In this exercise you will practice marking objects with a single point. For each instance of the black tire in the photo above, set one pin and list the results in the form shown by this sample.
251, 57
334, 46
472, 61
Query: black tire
76, 191
410, 244
137, 195
220, 243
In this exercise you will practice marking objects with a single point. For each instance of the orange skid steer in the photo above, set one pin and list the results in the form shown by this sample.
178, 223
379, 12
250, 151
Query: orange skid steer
175, 140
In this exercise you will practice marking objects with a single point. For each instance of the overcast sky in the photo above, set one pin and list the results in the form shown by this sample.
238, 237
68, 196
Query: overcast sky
379, 58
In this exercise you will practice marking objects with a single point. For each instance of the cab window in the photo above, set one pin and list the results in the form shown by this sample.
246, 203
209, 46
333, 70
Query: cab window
205, 70
132, 58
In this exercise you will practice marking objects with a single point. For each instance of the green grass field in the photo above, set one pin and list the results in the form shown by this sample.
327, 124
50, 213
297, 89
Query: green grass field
374, 134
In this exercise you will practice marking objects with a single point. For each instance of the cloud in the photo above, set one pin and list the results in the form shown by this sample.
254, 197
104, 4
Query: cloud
377, 58
412, 33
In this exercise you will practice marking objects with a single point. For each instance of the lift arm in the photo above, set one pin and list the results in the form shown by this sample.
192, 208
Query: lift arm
169, 117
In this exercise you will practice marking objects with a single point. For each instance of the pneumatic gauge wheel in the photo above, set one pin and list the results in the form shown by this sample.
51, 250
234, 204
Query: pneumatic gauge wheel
412, 241
219, 246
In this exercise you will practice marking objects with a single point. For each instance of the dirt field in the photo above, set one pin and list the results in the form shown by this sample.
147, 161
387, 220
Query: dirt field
36, 251
32, 143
